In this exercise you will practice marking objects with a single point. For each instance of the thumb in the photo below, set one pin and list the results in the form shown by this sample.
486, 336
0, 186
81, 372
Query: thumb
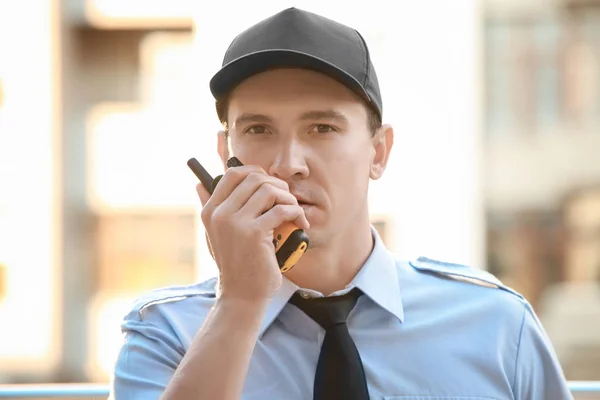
202, 193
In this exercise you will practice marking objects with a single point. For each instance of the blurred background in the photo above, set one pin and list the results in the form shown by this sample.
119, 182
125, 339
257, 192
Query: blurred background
496, 161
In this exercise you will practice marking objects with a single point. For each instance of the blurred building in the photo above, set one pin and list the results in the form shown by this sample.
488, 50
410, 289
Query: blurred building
113, 101
542, 160
90, 203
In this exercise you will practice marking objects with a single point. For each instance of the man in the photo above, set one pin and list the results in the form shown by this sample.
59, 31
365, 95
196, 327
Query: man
301, 108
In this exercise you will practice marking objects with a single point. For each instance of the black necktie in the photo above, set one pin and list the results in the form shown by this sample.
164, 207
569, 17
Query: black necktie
340, 374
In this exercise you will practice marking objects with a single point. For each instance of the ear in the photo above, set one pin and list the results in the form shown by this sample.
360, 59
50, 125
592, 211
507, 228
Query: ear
223, 147
382, 141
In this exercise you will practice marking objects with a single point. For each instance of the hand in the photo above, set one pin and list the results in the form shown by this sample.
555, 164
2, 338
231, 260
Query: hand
240, 217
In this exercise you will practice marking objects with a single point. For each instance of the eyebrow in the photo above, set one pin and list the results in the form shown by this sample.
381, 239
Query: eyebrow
324, 115
246, 117
309, 115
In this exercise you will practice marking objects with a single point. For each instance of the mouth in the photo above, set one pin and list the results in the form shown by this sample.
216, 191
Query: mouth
302, 202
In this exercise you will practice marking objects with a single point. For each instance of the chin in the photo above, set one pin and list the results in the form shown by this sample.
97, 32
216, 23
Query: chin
317, 235
315, 216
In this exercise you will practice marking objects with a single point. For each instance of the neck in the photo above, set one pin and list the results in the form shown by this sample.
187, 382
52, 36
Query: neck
332, 267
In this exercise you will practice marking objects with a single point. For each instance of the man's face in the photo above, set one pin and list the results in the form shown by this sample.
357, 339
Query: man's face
312, 132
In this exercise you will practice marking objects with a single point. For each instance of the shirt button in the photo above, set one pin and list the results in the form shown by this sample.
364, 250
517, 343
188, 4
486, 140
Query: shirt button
305, 295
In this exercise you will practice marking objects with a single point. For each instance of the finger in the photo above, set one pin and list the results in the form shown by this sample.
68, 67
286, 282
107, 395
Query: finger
253, 183
280, 214
302, 222
230, 181
227, 183
264, 198
210, 249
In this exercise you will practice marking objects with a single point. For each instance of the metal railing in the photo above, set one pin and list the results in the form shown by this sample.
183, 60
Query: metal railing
101, 391
584, 387
61, 390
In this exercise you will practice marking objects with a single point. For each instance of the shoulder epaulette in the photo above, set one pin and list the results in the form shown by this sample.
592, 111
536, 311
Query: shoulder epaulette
462, 273
174, 293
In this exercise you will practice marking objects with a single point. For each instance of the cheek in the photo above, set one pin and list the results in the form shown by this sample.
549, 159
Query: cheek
348, 175
250, 153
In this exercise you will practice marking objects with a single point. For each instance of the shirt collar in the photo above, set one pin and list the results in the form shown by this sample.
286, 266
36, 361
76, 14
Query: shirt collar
377, 279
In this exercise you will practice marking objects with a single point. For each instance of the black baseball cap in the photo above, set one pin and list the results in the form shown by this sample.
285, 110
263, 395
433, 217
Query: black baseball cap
300, 39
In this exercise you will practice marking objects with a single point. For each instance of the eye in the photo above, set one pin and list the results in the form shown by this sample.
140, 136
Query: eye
323, 128
257, 130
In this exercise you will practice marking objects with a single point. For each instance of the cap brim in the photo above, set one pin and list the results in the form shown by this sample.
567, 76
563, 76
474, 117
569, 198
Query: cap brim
236, 71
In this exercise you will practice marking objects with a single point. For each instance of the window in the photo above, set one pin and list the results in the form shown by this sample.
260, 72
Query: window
137, 252
543, 75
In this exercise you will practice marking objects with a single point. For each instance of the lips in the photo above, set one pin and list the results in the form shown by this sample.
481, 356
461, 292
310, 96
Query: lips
303, 201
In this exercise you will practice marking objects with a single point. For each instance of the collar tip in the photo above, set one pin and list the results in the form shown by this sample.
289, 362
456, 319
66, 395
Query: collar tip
263, 330
399, 314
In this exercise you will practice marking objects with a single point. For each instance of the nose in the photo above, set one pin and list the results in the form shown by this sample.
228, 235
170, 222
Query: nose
289, 162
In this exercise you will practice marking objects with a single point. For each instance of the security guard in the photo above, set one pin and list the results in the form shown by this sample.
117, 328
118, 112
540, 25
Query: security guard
300, 104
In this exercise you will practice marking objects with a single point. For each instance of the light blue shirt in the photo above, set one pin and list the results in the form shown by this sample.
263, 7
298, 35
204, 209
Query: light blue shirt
425, 329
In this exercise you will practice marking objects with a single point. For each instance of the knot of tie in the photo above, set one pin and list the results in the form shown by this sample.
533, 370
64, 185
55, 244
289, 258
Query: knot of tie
328, 311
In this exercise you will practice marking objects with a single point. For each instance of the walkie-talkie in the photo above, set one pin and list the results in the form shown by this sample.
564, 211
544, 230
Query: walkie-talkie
289, 241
